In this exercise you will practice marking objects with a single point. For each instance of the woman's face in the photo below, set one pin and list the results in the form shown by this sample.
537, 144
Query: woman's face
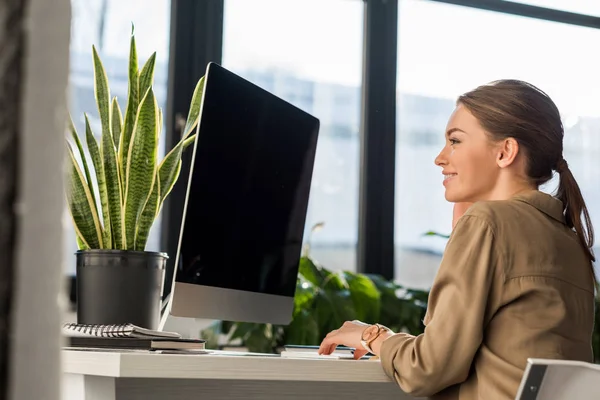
468, 159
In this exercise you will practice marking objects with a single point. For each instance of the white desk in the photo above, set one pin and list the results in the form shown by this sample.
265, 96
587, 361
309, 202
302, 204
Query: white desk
99, 375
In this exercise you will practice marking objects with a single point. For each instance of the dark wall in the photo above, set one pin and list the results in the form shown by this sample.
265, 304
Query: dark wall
11, 54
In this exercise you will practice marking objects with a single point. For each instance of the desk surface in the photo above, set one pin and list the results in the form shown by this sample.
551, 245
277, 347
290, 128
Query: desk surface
220, 366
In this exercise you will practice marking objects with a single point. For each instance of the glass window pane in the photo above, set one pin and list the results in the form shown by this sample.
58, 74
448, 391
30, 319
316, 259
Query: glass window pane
434, 69
314, 61
107, 25
577, 6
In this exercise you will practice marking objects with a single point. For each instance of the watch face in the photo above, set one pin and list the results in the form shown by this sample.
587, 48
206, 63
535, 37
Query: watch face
370, 332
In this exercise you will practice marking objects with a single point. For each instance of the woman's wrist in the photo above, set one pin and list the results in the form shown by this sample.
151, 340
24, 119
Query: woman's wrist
376, 344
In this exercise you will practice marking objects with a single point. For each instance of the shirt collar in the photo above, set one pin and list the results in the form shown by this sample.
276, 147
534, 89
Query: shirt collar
544, 202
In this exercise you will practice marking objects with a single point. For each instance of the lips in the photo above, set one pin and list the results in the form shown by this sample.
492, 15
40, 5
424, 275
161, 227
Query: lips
448, 177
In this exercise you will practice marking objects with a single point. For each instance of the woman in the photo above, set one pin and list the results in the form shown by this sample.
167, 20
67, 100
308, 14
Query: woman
516, 280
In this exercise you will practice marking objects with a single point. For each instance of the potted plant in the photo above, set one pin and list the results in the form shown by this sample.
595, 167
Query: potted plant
114, 204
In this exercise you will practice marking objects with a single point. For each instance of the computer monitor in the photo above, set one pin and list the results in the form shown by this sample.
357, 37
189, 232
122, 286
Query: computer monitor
246, 203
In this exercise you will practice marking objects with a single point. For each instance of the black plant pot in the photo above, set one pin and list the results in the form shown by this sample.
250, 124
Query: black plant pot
119, 286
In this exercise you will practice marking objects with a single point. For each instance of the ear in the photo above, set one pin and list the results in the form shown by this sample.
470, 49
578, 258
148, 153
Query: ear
508, 149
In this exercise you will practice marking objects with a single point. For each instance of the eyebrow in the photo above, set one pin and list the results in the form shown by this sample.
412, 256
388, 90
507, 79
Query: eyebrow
451, 130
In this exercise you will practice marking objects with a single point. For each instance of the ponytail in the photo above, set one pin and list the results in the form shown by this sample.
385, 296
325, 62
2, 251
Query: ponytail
573, 206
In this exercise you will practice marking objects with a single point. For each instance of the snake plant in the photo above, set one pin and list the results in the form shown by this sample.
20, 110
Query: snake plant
131, 182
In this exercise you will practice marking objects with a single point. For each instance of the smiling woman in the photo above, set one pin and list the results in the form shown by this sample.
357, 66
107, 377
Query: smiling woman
497, 301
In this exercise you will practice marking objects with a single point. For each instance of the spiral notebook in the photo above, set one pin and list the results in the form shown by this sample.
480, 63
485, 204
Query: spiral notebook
115, 331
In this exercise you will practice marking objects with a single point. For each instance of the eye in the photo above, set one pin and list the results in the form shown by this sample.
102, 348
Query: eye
453, 141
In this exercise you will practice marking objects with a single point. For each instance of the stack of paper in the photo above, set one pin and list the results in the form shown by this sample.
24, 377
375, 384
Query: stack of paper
292, 351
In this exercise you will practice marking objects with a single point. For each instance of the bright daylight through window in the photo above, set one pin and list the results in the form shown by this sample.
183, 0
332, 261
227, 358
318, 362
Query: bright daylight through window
314, 61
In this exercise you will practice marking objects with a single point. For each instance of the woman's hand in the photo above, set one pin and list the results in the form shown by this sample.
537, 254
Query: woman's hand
350, 335
458, 211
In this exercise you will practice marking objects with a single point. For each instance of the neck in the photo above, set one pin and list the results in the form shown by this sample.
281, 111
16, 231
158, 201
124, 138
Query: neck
508, 187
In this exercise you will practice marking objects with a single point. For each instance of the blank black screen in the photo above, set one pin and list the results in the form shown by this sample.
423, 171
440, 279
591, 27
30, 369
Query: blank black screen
249, 189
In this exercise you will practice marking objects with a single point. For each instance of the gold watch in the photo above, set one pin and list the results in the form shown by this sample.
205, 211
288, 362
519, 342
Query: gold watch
371, 333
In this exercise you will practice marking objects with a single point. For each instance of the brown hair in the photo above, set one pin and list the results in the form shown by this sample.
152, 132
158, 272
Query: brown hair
517, 109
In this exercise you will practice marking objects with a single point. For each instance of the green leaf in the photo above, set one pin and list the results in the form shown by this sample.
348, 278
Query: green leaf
147, 218
383, 285
131, 109
304, 296
332, 309
170, 167
261, 339
109, 155
189, 141
303, 330
401, 309
365, 296
227, 327
170, 177
100, 178
320, 276
311, 272
141, 164
334, 280
195, 105
167, 181
432, 233
211, 335
81, 245
79, 200
147, 74
160, 121
102, 93
88, 176
242, 330
117, 121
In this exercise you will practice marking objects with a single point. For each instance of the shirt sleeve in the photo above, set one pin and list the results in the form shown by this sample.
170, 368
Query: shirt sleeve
442, 355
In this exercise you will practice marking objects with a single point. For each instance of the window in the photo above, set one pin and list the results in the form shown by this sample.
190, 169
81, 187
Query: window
107, 25
309, 52
476, 48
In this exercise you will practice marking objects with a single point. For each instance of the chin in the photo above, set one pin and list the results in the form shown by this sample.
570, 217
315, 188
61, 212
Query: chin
454, 197
451, 197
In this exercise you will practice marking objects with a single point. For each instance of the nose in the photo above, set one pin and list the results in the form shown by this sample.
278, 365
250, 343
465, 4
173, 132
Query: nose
441, 159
